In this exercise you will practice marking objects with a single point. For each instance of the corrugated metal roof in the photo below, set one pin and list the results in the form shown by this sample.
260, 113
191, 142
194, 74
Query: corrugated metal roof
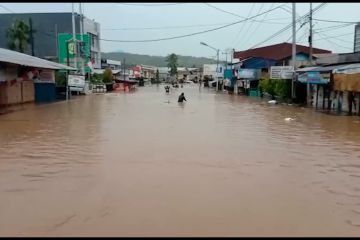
276, 51
348, 69
321, 69
9, 56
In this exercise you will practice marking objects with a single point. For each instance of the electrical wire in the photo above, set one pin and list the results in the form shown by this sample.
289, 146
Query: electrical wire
243, 26
7, 9
190, 34
150, 5
250, 25
236, 15
333, 43
333, 27
257, 27
165, 27
289, 26
333, 21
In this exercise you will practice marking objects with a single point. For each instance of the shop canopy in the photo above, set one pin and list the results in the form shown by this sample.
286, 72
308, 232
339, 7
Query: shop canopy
8, 56
347, 78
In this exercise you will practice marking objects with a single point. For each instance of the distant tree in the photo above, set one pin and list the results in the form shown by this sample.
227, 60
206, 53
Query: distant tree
172, 63
18, 36
108, 76
157, 76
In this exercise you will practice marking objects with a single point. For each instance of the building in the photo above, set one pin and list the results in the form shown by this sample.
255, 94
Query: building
46, 27
337, 58
357, 38
24, 78
209, 70
276, 55
113, 64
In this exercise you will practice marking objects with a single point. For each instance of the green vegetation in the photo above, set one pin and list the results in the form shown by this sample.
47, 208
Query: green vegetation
276, 87
107, 76
18, 36
60, 78
96, 78
172, 63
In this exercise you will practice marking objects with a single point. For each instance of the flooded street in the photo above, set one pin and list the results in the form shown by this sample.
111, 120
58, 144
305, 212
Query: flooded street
140, 164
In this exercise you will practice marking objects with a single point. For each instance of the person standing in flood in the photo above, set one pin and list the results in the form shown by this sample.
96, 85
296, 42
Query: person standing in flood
181, 98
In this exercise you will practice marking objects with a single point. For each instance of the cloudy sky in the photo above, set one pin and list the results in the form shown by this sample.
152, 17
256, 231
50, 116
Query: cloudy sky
143, 21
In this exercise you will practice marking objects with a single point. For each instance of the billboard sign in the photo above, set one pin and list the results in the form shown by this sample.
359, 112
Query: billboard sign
83, 50
248, 73
76, 82
312, 78
281, 72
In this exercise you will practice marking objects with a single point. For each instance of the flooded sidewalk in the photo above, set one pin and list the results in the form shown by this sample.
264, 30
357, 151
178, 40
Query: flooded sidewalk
141, 164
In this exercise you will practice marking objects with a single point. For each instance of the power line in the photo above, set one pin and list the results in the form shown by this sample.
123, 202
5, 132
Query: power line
255, 29
165, 27
191, 34
334, 27
337, 37
331, 42
236, 15
242, 27
149, 5
250, 25
7, 9
334, 21
289, 26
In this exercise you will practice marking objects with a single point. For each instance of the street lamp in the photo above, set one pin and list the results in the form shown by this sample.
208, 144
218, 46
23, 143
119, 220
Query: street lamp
217, 63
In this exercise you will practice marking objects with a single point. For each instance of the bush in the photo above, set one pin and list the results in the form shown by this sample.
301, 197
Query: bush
60, 79
96, 78
108, 76
268, 86
283, 89
276, 87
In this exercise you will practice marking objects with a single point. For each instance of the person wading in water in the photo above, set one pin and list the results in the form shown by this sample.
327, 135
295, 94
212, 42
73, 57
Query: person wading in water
181, 98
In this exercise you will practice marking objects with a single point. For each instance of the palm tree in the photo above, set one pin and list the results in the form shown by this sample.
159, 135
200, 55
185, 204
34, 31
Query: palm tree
18, 36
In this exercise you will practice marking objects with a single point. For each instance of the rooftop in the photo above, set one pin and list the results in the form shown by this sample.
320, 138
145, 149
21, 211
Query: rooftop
276, 52
9, 56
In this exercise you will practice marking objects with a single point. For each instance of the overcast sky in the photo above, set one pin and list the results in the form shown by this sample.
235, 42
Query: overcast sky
186, 18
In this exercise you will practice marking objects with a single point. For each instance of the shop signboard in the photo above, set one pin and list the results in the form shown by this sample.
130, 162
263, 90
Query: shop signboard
281, 72
312, 78
83, 50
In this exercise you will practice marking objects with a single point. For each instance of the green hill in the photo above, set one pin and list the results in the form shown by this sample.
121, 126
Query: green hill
132, 59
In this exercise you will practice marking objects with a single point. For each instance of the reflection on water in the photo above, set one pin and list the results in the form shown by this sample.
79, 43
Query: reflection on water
140, 164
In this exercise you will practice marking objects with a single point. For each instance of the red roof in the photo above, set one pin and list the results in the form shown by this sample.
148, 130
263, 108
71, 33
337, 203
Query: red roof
276, 52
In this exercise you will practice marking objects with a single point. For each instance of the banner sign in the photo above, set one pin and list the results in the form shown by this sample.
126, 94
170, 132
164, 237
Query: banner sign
248, 73
312, 78
66, 48
281, 72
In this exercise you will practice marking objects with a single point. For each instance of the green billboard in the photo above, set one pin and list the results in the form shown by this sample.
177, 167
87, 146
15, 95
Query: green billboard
83, 50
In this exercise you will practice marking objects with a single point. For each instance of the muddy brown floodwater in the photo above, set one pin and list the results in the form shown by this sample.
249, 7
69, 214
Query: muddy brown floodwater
140, 164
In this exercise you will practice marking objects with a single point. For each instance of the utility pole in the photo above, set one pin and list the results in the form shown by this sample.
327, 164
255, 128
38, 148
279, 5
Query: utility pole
57, 43
82, 40
31, 37
293, 47
308, 92
310, 37
217, 69
74, 36
124, 69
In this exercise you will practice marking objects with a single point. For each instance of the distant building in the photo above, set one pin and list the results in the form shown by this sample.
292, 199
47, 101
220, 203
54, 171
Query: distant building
113, 64
46, 27
209, 70
277, 54
357, 38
